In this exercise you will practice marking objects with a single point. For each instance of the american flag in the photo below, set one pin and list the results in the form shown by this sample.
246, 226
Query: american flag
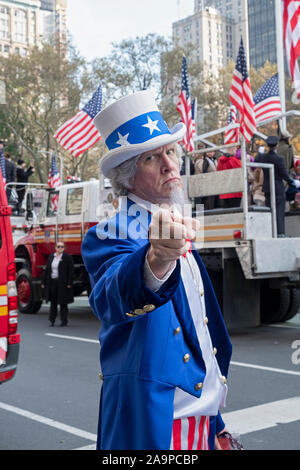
232, 135
54, 181
185, 109
2, 164
267, 100
291, 37
241, 95
78, 134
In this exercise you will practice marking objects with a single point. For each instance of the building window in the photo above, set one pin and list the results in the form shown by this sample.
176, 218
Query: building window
20, 26
4, 23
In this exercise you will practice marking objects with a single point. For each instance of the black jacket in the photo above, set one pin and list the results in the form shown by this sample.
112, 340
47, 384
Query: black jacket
23, 175
280, 172
10, 170
65, 278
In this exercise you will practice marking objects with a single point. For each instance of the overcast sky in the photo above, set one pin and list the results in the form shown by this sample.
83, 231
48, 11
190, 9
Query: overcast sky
94, 24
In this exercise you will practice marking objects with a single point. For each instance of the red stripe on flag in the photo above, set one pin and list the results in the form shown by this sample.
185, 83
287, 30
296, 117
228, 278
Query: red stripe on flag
177, 434
201, 430
191, 433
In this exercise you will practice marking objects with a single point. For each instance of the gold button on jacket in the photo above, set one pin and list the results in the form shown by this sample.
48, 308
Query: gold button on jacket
177, 330
198, 386
138, 311
149, 308
186, 358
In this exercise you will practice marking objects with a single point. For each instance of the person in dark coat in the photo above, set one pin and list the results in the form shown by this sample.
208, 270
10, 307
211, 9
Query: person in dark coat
280, 174
22, 177
10, 171
57, 283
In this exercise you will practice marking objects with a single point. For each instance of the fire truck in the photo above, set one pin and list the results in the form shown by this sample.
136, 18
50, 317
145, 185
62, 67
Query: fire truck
49, 215
9, 338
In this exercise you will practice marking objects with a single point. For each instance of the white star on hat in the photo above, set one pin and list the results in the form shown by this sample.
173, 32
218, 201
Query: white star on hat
152, 125
123, 139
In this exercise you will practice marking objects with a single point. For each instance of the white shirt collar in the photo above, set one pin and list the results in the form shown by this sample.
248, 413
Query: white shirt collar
149, 206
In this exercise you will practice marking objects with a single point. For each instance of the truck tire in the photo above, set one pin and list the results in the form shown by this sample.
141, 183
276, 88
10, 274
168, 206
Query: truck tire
26, 302
294, 304
275, 304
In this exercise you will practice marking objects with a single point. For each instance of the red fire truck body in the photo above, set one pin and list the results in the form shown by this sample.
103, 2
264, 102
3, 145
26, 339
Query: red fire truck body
65, 214
9, 338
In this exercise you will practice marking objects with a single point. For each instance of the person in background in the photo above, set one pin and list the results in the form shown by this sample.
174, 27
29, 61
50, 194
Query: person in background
206, 163
229, 161
280, 175
295, 174
257, 185
285, 150
22, 177
57, 283
250, 172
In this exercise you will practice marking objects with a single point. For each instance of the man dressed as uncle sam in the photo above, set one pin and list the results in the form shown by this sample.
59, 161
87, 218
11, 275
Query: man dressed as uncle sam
165, 350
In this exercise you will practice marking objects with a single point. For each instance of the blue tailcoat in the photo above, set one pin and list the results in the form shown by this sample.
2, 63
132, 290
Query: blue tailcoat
141, 358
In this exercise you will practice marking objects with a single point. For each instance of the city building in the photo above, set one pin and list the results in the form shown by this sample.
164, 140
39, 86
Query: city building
206, 29
253, 20
237, 12
24, 24
262, 32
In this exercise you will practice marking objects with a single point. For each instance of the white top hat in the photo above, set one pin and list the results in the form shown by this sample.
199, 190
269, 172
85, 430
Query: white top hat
131, 126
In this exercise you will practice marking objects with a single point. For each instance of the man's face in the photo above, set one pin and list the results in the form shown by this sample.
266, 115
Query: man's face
157, 175
232, 150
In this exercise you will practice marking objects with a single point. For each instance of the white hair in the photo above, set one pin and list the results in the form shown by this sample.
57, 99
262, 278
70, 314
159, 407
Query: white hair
122, 177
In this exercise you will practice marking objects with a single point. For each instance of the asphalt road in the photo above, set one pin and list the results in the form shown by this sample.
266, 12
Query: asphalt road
52, 402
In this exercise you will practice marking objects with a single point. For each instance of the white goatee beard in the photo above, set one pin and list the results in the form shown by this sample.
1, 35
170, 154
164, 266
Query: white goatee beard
177, 197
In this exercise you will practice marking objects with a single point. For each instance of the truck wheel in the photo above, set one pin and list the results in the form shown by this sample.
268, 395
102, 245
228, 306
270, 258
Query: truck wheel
26, 302
294, 305
275, 304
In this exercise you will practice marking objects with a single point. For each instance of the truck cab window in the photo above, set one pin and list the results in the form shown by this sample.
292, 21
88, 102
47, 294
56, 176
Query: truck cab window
74, 201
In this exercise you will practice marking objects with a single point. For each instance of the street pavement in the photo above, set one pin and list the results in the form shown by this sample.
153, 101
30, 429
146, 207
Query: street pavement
52, 402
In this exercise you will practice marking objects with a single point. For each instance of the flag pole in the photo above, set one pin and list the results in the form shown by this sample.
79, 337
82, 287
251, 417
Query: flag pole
280, 61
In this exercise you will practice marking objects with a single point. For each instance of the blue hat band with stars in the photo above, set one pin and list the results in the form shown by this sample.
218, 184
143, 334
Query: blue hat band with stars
138, 130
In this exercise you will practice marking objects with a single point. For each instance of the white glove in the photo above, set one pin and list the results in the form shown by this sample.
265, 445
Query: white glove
297, 183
